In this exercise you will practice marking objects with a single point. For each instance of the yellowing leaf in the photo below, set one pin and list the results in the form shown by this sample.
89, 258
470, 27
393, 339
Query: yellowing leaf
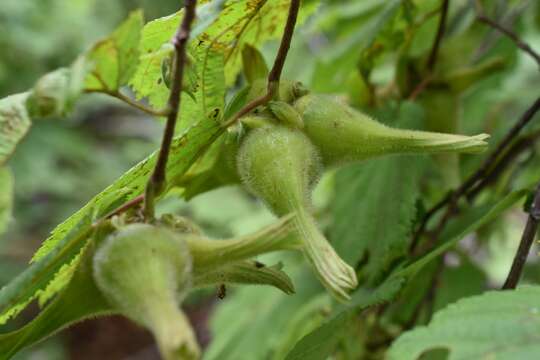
241, 22
14, 124
116, 57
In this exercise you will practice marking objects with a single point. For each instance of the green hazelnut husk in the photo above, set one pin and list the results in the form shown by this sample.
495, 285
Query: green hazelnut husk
144, 271
343, 134
280, 165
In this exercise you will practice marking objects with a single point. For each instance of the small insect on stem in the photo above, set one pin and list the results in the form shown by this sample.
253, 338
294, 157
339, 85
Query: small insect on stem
222, 291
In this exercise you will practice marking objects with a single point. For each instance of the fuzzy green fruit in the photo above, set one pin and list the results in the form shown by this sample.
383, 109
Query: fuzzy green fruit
144, 271
343, 134
281, 166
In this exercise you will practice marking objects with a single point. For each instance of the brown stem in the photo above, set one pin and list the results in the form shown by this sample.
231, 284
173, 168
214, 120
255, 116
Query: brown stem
157, 179
249, 107
527, 239
275, 73
117, 94
432, 59
125, 206
420, 88
450, 200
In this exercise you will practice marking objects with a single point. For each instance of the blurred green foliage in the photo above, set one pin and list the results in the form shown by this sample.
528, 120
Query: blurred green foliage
370, 53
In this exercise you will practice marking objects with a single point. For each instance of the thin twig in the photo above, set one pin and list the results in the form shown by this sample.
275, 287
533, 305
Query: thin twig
432, 59
518, 147
527, 239
125, 206
248, 108
481, 17
275, 73
137, 105
157, 179
508, 19
450, 200
420, 88
118, 95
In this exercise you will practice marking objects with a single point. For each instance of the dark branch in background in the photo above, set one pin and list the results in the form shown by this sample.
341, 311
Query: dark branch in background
432, 59
450, 201
519, 146
275, 73
481, 17
511, 15
419, 88
527, 240
157, 179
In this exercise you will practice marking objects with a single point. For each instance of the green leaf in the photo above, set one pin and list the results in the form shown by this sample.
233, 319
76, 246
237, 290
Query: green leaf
14, 124
205, 83
206, 15
375, 207
185, 149
208, 98
355, 42
16, 295
115, 58
253, 63
321, 342
462, 281
80, 300
240, 22
6, 198
496, 325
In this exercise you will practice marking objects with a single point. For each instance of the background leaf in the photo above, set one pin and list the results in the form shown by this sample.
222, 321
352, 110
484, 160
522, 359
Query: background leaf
495, 325
373, 218
274, 312
321, 342
243, 21
115, 58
